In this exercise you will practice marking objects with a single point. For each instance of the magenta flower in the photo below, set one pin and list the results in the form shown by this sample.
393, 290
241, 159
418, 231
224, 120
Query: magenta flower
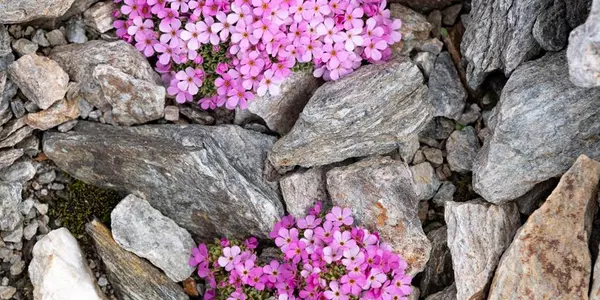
133, 8
352, 285
140, 24
145, 42
339, 216
238, 97
286, 237
373, 48
180, 5
309, 221
244, 269
166, 53
255, 279
171, 32
375, 279
353, 18
272, 270
224, 26
229, 258
189, 80
252, 64
335, 293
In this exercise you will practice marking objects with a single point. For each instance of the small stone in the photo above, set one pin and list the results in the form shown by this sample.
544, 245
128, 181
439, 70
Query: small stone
425, 61
102, 281
5, 281
42, 208
59, 113
418, 158
450, 14
197, 116
85, 108
172, 113
10, 215
31, 107
435, 19
64, 127
39, 37
5, 116
100, 16
30, 146
21, 172
426, 181
408, 148
414, 25
56, 186
76, 31
444, 194
471, 115
28, 31
435, 156
56, 38
438, 128
7, 292
17, 107
462, 146
95, 115
30, 230
44, 192
13, 236
24, 47
4, 41
17, 268
40, 79
26, 206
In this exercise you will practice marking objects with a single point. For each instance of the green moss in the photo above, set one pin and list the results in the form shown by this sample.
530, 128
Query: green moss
83, 203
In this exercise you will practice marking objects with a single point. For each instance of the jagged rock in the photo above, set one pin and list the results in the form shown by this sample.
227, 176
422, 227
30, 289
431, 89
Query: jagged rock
448, 293
58, 270
444, 194
539, 147
408, 148
132, 277
426, 181
435, 19
438, 272
551, 29
382, 195
133, 101
337, 123
446, 92
425, 61
438, 128
433, 155
532, 200
470, 115
450, 14
40, 79
415, 30
549, 260
20, 172
171, 113
100, 16
583, 51
302, 189
80, 60
78, 7
215, 172
478, 234
56, 38
281, 112
462, 147
39, 37
21, 11
17, 107
10, 216
7, 292
24, 46
139, 228
8, 157
59, 113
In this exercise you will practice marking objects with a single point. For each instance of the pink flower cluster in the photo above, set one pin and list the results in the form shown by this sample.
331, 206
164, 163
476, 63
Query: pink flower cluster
263, 40
323, 257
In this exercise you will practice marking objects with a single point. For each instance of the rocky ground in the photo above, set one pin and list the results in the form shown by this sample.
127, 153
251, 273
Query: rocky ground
472, 152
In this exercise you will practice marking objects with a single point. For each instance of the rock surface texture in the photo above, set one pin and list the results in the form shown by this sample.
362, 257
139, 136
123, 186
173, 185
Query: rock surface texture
381, 193
478, 234
302, 189
547, 259
207, 179
9, 208
544, 123
446, 92
337, 123
21, 11
143, 230
584, 51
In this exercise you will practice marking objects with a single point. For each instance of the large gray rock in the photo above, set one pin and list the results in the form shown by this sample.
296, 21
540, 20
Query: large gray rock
544, 123
40, 79
281, 112
478, 234
21, 11
133, 101
446, 92
10, 217
550, 257
371, 111
300, 190
462, 147
80, 60
139, 228
208, 179
381, 193
551, 28
584, 51
59, 270
133, 278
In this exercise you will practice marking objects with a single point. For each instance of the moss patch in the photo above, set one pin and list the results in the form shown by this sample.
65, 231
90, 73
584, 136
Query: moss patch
83, 203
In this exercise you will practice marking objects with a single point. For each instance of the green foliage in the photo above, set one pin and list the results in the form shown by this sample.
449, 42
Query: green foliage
303, 67
83, 203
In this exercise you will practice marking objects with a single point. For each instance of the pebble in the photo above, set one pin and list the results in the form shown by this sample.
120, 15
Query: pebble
56, 186
30, 230
16, 31
172, 113
44, 192
24, 47
92, 264
7, 292
28, 31
56, 38
39, 37
42, 208
25, 206
85, 108
14, 236
31, 107
47, 177
17, 107
67, 126
418, 158
17, 268
102, 281
4, 281
36, 186
95, 115
435, 156
76, 31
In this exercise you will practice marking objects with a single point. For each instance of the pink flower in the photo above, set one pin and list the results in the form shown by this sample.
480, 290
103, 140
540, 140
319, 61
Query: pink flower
145, 42
325, 233
334, 292
140, 24
373, 48
401, 284
295, 251
180, 5
251, 243
189, 80
327, 30
272, 270
339, 216
166, 53
238, 97
255, 279
353, 256
192, 33
171, 32
224, 26
375, 279
133, 8
244, 269
352, 284
286, 237
252, 64
372, 30
228, 259
353, 18
243, 36
343, 240
181, 96
309, 221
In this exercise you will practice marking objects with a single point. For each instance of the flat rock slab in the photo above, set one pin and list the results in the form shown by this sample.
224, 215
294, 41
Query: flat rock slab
550, 257
21, 11
143, 230
371, 111
543, 124
132, 277
208, 179
478, 234
381, 194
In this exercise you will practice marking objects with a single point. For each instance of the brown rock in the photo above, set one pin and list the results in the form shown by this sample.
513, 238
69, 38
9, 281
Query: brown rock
381, 194
61, 112
549, 257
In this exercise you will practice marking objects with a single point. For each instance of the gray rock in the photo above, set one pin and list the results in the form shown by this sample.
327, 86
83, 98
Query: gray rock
337, 123
56, 38
446, 92
143, 230
42, 208
577, 12
425, 61
435, 19
39, 37
100, 16
31, 107
532, 200
382, 196
197, 167
426, 181
478, 234
281, 112
408, 148
13, 236
30, 230
197, 116
30, 145
462, 146
26, 206
551, 29
40, 79
7, 292
438, 272
414, 25
67, 126
56, 186
470, 115
21, 11
171, 113
21, 172
80, 60
10, 127
438, 128
539, 147
5, 116
78, 7
418, 158
24, 47
448, 293
450, 14
10, 215
301, 190
95, 115
444, 194
131, 277
8, 157
5, 61
583, 51
4, 41
58, 269
133, 101
76, 31
17, 107
85, 108
433, 155
17, 268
